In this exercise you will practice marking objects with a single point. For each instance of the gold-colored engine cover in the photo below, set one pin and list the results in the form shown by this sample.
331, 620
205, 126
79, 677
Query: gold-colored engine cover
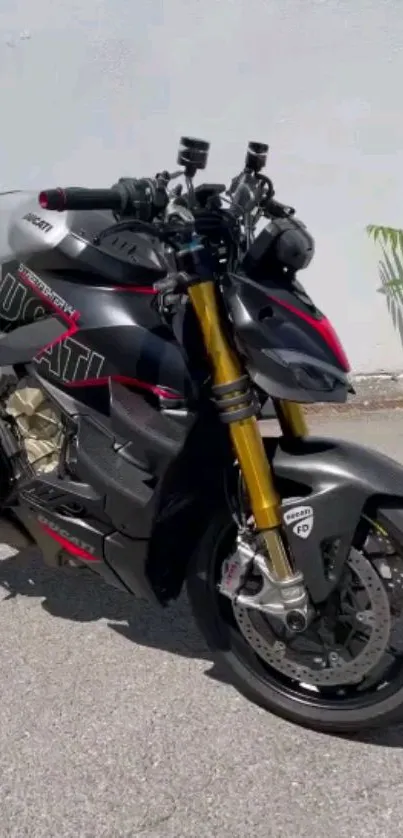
39, 426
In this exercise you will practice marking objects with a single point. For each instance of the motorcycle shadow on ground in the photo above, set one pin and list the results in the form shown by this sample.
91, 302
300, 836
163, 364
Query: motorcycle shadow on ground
81, 596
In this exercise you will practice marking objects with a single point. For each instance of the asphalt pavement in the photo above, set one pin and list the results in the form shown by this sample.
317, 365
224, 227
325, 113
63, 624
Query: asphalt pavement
114, 723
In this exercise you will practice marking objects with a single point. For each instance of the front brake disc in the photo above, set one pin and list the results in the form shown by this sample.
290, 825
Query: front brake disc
258, 633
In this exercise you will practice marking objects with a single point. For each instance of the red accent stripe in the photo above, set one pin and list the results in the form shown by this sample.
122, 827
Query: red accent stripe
135, 289
67, 334
70, 319
67, 545
160, 392
325, 329
132, 289
124, 379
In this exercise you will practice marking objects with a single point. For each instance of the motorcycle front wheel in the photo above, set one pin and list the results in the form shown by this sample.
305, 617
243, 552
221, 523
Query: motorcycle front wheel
345, 673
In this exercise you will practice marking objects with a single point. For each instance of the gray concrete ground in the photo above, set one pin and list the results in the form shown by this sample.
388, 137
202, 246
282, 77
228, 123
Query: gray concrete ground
113, 723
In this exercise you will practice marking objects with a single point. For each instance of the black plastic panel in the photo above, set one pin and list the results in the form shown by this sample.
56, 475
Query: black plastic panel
155, 439
127, 557
129, 490
55, 492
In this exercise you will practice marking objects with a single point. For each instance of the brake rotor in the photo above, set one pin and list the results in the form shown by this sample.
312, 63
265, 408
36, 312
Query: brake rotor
336, 670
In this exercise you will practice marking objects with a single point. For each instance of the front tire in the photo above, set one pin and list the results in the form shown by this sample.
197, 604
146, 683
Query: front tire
256, 680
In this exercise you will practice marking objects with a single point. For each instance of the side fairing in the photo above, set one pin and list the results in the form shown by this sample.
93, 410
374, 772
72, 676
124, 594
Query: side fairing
103, 297
105, 331
291, 350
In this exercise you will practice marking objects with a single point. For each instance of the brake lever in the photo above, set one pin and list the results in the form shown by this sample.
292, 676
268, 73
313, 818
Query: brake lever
273, 209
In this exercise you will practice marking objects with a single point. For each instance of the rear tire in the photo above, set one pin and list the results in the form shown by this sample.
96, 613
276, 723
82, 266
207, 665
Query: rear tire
247, 671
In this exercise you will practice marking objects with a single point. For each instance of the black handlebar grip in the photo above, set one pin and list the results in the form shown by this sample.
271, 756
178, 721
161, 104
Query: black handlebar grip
76, 198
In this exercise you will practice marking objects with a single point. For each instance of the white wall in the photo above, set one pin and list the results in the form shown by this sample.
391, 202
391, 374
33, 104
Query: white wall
92, 90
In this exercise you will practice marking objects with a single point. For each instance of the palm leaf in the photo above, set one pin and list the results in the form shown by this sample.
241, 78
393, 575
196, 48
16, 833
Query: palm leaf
390, 236
393, 273
390, 270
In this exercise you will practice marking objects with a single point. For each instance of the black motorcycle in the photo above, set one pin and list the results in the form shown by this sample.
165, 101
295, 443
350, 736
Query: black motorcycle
145, 326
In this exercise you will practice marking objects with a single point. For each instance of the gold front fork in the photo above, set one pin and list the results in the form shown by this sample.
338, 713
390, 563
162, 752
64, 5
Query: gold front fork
291, 418
232, 397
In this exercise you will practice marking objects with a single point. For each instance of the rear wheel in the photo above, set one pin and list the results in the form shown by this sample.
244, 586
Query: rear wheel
344, 673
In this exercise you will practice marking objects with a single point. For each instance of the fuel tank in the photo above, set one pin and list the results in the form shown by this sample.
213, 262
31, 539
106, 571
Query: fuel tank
102, 297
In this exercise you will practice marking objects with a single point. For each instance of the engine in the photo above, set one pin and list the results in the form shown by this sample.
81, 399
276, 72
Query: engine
33, 441
39, 425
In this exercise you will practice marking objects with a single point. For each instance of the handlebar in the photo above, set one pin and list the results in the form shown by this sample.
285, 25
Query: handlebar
148, 199
76, 198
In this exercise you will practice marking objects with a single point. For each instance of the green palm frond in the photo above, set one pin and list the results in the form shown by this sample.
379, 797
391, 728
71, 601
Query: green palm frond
390, 269
389, 236
391, 266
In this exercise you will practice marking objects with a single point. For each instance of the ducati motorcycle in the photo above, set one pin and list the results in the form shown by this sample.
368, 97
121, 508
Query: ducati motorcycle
144, 327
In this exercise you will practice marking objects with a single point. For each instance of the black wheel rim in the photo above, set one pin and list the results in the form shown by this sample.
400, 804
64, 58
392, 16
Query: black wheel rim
356, 697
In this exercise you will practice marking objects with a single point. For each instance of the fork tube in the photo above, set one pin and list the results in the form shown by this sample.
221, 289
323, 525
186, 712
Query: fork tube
235, 403
291, 418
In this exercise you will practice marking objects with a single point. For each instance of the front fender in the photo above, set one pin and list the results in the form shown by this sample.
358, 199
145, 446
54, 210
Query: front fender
325, 485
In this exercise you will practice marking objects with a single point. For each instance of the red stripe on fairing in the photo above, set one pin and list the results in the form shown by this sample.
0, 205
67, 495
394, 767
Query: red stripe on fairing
67, 334
124, 379
325, 329
132, 289
67, 545
70, 319
135, 289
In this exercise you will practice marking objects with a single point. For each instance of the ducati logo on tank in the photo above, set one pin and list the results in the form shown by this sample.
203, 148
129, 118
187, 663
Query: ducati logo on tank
300, 518
39, 222
71, 361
